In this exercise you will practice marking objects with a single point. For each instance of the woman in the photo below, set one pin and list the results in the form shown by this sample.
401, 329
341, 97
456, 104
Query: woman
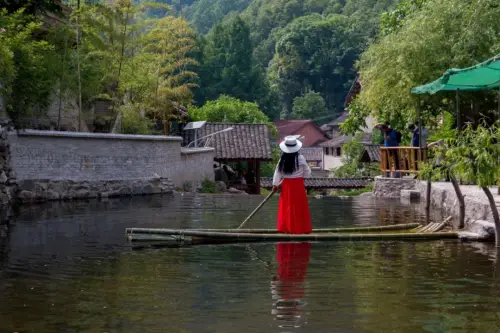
293, 208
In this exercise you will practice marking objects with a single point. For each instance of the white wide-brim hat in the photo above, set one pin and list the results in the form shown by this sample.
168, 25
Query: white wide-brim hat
290, 145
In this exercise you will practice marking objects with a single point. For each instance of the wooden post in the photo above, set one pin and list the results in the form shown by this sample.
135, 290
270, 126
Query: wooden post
257, 176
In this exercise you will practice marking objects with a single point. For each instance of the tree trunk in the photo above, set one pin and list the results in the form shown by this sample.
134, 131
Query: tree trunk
78, 69
428, 201
61, 84
460, 197
494, 211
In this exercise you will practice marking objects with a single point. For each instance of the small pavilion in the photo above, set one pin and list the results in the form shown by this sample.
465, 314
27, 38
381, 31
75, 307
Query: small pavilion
245, 146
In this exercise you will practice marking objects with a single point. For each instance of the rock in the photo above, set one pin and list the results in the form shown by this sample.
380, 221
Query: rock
410, 195
220, 187
26, 196
4, 199
484, 229
366, 194
51, 195
27, 185
232, 190
391, 187
41, 186
3, 177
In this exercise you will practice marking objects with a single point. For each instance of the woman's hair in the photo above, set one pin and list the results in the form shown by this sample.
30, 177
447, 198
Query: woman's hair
289, 162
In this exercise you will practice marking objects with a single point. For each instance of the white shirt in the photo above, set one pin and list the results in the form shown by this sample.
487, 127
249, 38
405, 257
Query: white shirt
304, 171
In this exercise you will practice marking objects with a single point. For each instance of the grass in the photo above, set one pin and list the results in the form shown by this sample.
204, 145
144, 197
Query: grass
208, 186
351, 192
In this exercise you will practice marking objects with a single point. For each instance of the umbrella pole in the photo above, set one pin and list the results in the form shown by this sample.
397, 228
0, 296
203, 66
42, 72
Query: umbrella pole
457, 106
419, 116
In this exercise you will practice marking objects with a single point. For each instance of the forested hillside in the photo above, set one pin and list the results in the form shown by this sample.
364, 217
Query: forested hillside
274, 51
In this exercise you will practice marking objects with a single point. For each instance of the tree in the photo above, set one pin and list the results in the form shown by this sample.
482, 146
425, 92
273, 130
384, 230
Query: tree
27, 76
352, 166
31, 7
474, 158
169, 44
428, 42
315, 53
227, 109
227, 65
309, 106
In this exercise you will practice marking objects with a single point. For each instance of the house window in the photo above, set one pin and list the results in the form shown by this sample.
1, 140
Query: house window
339, 151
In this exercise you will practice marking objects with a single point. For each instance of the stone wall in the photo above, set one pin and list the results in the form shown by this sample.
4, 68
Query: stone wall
64, 165
444, 198
8, 184
391, 187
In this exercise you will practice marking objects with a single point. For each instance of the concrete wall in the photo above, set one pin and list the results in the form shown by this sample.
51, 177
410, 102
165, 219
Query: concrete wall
107, 161
332, 162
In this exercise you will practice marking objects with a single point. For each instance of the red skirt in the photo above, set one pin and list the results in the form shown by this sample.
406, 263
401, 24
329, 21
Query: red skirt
293, 209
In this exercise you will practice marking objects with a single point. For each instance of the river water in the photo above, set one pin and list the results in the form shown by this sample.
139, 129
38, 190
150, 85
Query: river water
66, 267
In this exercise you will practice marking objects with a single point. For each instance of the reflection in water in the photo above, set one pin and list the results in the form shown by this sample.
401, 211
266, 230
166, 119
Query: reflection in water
288, 287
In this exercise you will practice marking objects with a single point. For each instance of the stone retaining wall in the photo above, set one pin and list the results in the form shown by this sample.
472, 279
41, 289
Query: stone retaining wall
443, 197
8, 184
391, 187
53, 165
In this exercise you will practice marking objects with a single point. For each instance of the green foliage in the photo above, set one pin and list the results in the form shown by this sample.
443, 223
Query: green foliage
357, 118
351, 161
441, 35
227, 109
351, 192
33, 7
391, 21
474, 155
208, 186
309, 106
315, 53
204, 14
228, 68
27, 76
132, 120
267, 168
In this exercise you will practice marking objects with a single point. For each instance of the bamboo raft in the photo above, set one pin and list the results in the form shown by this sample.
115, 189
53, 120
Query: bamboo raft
180, 237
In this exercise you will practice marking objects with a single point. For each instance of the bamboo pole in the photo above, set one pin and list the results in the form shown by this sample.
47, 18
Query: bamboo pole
258, 208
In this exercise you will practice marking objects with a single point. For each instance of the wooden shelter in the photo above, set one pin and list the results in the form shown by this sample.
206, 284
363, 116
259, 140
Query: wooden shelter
235, 143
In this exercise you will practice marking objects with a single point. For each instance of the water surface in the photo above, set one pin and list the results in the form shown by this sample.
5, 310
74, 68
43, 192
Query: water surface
66, 267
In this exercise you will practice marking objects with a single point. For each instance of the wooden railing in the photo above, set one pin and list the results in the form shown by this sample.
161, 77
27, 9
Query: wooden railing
401, 159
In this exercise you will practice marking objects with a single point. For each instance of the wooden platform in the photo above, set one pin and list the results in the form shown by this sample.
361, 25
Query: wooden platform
182, 237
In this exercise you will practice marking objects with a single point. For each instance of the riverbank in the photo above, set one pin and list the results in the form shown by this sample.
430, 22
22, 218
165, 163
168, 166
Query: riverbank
442, 198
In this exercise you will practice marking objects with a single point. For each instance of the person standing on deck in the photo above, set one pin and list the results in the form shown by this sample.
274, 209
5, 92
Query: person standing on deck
293, 209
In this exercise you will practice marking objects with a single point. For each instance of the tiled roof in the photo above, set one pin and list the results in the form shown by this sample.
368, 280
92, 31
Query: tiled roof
312, 154
372, 152
244, 141
318, 183
340, 140
340, 119
290, 127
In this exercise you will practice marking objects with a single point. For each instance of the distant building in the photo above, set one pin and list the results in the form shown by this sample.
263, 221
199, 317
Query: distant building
309, 130
333, 148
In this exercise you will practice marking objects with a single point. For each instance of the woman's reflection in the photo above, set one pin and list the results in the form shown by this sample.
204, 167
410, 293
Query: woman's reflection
288, 287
